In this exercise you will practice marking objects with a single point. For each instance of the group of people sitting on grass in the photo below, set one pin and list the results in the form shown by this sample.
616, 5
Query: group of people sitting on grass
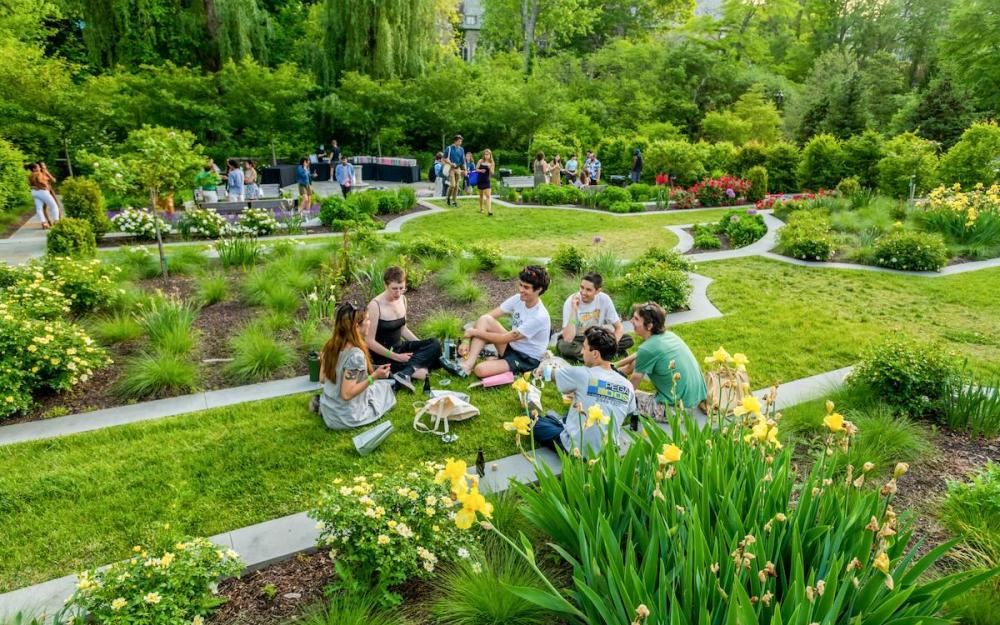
372, 354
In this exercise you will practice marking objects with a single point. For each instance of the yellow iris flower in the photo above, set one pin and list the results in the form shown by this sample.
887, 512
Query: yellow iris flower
741, 361
596, 416
454, 470
882, 562
671, 454
719, 357
749, 405
521, 425
834, 421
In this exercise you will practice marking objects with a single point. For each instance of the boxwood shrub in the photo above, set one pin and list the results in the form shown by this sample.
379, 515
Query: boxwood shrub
910, 250
72, 237
907, 374
757, 177
611, 195
82, 198
569, 258
806, 236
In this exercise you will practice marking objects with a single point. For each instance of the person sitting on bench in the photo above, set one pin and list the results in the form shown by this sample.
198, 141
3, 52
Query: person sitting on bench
660, 357
389, 339
522, 348
593, 384
590, 307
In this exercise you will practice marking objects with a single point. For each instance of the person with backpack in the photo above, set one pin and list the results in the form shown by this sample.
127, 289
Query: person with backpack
636, 170
434, 175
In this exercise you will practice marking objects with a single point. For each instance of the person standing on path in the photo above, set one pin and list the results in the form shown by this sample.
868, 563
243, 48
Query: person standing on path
470, 180
345, 175
40, 193
207, 182
555, 171
485, 168
234, 181
572, 168
304, 179
52, 186
334, 151
593, 167
540, 168
250, 180
636, 172
454, 162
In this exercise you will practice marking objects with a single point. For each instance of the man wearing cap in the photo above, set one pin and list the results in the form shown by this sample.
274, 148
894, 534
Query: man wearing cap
454, 155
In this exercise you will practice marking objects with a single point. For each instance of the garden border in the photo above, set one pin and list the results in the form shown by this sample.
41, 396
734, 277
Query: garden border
279, 539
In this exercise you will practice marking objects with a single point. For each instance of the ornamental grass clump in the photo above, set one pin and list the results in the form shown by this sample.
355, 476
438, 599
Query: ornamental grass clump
714, 522
384, 530
176, 587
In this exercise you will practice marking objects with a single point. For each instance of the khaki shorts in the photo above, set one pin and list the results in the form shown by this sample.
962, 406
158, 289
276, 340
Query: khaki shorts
455, 176
649, 407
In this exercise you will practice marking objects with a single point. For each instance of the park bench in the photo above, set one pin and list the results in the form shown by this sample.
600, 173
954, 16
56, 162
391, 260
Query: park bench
519, 182
268, 191
275, 204
225, 208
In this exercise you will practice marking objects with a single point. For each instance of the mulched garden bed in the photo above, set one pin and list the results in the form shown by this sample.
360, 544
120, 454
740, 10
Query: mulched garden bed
723, 239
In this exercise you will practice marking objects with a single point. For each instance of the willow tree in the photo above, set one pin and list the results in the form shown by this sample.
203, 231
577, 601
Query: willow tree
379, 38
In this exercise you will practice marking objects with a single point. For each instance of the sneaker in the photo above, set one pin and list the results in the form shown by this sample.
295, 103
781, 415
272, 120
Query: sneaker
404, 380
453, 367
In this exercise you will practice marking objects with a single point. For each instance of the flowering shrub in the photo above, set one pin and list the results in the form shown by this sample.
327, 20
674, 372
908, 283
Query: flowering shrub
202, 222
806, 236
911, 251
87, 284
768, 545
139, 223
656, 276
742, 227
904, 373
175, 588
682, 198
385, 530
258, 221
971, 217
723, 191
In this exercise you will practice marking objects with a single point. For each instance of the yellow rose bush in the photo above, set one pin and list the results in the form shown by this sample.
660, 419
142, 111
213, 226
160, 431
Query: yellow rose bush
383, 530
174, 586
716, 523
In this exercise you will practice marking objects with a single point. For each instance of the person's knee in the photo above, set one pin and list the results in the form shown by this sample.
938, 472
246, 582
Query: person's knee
484, 321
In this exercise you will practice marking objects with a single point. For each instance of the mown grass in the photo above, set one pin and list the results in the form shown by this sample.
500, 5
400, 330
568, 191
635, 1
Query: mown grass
536, 231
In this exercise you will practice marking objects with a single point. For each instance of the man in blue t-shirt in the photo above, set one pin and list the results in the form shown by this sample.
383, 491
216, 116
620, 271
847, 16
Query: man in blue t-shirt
454, 155
345, 175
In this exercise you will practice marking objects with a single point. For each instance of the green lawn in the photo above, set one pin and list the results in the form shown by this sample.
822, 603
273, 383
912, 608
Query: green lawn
86, 499
537, 231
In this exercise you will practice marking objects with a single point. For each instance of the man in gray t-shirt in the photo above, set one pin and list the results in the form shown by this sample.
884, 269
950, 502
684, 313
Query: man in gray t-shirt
594, 384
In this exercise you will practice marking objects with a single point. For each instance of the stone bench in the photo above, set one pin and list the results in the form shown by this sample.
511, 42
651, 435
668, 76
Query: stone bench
225, 208
519, 182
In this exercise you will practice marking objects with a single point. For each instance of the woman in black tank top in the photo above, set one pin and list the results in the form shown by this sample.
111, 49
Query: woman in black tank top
390, 341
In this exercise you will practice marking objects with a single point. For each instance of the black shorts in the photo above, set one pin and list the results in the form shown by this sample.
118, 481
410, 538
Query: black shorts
519, 362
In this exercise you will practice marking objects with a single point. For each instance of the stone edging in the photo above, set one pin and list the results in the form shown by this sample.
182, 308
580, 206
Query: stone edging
279, 539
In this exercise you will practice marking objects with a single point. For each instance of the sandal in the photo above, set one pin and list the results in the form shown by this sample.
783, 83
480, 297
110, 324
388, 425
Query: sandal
46, 226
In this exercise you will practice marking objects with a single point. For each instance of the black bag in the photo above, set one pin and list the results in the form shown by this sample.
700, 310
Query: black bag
431, 174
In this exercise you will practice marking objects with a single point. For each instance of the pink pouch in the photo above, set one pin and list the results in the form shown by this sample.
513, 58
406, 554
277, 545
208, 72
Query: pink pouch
498, 380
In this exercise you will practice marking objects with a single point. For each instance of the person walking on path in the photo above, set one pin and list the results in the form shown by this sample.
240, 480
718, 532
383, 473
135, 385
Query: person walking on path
334, 151
345, 175
540, 168
234, 181
304, 179
636, 172
390, 340
42, 196
440, 184
454, 163
470, 179
52, 186
485, 168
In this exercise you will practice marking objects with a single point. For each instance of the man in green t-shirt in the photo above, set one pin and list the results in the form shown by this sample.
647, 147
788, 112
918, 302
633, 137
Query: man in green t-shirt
207, 180
662, 355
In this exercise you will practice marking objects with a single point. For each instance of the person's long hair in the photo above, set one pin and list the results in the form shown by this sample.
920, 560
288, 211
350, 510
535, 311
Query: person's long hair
346, 333
488, 156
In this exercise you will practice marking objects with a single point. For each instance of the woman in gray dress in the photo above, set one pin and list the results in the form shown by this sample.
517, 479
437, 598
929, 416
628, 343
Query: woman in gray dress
540, 168
354, 393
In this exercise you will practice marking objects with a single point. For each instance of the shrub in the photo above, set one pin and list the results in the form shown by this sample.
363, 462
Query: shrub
569, 258
257, 222
682, 160
907, 155
806, 236
548, 194
742, 227
626, 207
139, 223
175, 588
705, 239
71, 237
656, 282
407, 198
430, 247
160, 373
86, 284
782, 165
202, 222
366, 203
388, 203
822, 163
257, 354
720, 191
682, 198
719, 157
487, 256
904, 373
751, 155
14, 191
849, 187
911, 251
611, 195
861, 156
973, 159
335, 209
82, 199
641, 192
573, 195
756, 177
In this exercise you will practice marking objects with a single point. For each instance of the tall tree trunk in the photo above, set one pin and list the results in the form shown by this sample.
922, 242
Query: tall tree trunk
69, 162
211, 61
159, 237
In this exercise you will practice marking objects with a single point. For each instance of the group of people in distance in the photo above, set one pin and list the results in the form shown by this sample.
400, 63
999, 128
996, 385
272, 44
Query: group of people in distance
240, 181
454, 168
373, 353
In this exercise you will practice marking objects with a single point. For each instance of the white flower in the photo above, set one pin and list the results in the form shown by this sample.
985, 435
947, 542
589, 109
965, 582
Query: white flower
463, 552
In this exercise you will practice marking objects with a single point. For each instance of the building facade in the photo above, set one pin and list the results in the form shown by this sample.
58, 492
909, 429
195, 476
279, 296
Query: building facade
470, 23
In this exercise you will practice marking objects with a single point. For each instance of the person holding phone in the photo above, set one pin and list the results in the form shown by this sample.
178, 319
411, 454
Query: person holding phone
354, 392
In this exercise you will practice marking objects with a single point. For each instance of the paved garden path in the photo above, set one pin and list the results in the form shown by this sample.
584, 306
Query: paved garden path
280, 539
26, 243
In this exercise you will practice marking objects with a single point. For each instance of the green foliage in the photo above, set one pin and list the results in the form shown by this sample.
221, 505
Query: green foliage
742, 228
211, 289
782, 163
487, 256
351, 609
725, 126
861, 156
430, 247
849, 187
87, 285
14, 191
169, 324
681, 159
806, 236
705, 238
116, 328
907, 374
610, 195
256, 222
626, 207
82, 199
153, 159
202, 222
186, 260
907, 157
71, 237
751, 155
441, 325
641, 192
911, 251
257, 355
457, 285
822, 163
174, 588
757, 177
974, 158
161, 373
407, 198
568, 258
656, 276
239, 251
972, 405
140, 223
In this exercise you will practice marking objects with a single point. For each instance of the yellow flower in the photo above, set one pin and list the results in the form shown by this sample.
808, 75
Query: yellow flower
741, 361
166, 559
151, 597
749, 405
392, 524
429, 511
901, 468
596, 416
383, 539
198, 621
118, 604
521, 425
882, 562
671, 454
520, 385
453, 470
834, 421
718, 357
464, 519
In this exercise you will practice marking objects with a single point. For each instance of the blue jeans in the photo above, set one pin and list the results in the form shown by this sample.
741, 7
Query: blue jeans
547, 430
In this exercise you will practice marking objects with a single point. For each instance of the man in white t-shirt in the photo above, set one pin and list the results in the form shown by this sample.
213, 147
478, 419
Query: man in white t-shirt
523, 347
591, 307
595, 383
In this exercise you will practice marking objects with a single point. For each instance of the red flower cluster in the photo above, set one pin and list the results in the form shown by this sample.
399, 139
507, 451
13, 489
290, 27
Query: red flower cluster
724, 191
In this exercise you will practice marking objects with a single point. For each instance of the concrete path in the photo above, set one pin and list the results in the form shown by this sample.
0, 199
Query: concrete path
26, 243
279, 539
